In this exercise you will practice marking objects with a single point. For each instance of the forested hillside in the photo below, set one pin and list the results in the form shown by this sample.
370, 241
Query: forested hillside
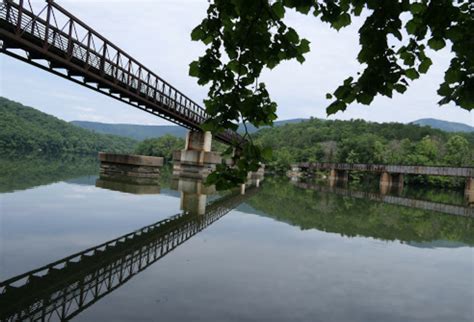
25, 129
365, 142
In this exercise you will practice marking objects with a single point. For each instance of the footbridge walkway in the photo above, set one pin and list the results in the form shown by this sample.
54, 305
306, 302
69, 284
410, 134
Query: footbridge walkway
75, 51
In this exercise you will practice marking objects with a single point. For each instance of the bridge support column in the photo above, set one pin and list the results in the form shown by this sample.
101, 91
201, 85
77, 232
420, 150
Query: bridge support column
389, 180
196, 160
469, 191
130, 168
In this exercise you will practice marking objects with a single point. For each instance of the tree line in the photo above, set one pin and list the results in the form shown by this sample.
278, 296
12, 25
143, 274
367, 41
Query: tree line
358, 141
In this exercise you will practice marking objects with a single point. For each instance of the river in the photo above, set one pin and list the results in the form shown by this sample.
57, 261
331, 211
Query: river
286, 251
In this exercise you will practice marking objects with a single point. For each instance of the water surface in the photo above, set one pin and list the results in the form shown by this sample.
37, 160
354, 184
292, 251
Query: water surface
284, 253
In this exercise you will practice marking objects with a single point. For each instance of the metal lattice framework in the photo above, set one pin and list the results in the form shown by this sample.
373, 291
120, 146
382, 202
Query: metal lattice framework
63, 289
378, 168
75, 51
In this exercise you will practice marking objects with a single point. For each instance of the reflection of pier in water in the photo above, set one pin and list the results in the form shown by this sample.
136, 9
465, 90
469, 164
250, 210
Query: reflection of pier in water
401, 201
63, 289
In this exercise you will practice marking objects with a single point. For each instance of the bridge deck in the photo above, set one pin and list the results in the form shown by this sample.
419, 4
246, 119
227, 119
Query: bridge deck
379, 168
75, 51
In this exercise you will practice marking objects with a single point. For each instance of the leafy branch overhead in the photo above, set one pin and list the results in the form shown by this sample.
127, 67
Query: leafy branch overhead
245, 36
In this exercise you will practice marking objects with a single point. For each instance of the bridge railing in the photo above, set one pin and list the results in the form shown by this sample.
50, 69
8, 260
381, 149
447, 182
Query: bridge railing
52, 30
405, 169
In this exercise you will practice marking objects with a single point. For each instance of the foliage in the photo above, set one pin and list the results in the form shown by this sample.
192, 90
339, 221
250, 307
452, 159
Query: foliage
457, 151
245, 36
160, 147
25, 129
388, 143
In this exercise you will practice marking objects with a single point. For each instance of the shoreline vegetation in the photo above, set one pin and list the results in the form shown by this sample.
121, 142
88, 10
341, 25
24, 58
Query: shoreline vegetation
25, 130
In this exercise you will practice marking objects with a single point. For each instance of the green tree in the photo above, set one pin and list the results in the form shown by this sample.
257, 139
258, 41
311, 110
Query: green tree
458, 151
160, 147
246, 36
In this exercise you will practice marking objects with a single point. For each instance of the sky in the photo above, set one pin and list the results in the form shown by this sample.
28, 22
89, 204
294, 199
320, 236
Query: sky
157, 33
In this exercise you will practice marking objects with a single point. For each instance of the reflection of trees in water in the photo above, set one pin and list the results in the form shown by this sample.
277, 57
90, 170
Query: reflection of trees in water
21, 172
349, 216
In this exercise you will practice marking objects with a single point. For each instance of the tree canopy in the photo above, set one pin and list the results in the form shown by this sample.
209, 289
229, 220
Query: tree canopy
243, 37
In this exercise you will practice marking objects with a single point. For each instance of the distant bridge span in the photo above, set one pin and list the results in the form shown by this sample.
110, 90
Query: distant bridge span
75, 51
389, 174
467, 172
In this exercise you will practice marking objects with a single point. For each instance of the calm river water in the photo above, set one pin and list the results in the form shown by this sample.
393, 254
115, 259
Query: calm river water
286, 252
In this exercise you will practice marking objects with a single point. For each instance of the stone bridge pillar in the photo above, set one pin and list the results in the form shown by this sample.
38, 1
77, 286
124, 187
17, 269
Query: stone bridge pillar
469, 191
389, 180
196, 160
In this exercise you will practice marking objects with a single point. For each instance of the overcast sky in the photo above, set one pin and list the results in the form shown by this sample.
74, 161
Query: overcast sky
157, 33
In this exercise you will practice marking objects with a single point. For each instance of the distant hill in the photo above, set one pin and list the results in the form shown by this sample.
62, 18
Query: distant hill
133, 131
141, 132
25, 129
444, 125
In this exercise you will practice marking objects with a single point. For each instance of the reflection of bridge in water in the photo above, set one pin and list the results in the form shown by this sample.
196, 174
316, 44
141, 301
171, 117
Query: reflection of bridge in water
63, 289
401, 201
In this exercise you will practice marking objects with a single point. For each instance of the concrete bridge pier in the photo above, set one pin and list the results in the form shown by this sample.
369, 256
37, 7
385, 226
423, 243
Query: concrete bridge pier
469, 191
389, 180
196, 160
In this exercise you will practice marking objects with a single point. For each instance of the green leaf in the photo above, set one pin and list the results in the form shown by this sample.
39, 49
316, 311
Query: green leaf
412, 73
303, 8
343, 21
194, 69
417, 8
207, 40
364, 98
452, 76
336, 107
292, 36
197, 33
304, 46
411, 26
278, 10
436, 43
233, 66
425, 65
400, 88
328, 96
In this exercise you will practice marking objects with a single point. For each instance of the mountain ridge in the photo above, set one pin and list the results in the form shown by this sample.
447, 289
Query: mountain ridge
444, 125
142, 132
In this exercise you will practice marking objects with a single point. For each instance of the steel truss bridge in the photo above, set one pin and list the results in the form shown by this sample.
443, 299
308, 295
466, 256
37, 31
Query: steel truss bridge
63, 289
77, 52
